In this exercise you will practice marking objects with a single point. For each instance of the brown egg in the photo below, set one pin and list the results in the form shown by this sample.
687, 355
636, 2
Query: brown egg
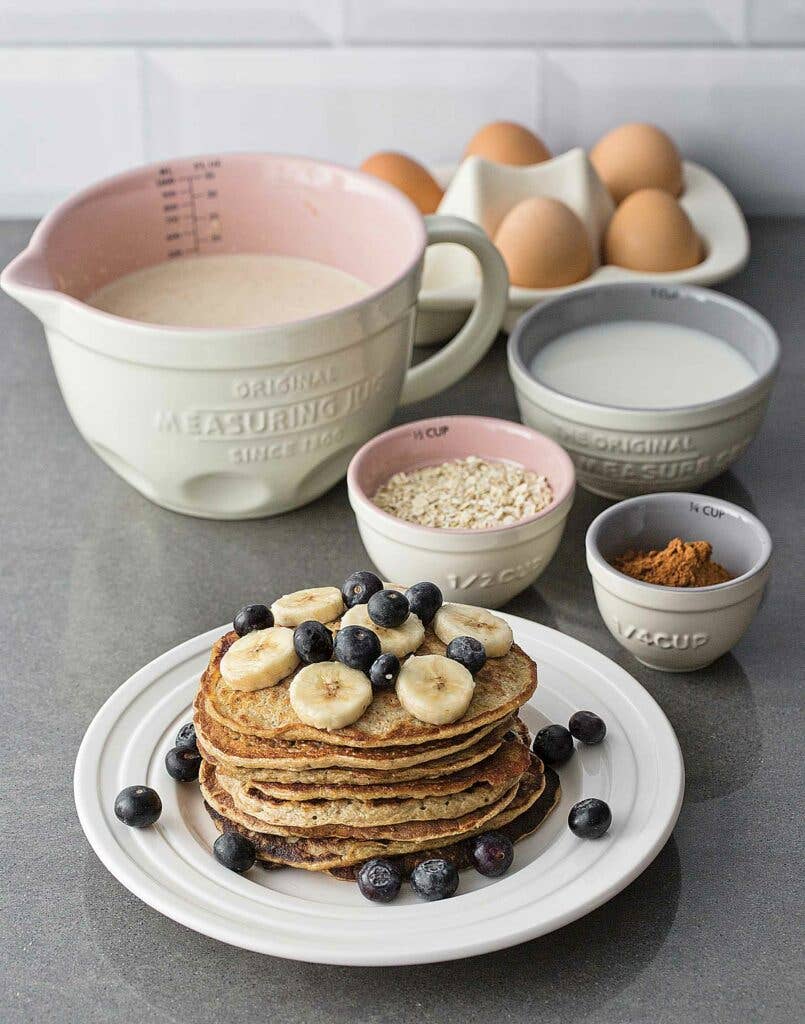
651, 231
637, 156
544, 244
408, 176
505, 142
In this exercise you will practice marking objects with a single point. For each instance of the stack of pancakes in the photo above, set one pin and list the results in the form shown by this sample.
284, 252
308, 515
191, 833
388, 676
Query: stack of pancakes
388, 785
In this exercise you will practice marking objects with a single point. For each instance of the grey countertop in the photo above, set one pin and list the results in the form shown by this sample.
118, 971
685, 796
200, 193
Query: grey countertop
97, 581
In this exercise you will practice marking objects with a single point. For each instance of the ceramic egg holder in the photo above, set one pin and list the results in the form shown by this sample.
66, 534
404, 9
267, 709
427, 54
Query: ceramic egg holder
484, 192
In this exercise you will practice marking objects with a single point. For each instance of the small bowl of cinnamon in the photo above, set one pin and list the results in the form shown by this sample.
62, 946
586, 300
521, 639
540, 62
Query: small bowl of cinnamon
678, 577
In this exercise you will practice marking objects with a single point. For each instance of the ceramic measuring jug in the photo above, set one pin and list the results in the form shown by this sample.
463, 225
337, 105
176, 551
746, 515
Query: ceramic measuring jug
244, 422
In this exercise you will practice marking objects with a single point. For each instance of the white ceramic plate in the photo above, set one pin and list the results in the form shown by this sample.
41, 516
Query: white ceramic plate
443, 305
300, 915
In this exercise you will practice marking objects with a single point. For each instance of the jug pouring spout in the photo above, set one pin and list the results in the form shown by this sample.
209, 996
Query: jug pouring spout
28, 280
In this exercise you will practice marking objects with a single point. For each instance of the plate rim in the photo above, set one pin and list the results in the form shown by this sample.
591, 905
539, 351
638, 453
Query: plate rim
136, 878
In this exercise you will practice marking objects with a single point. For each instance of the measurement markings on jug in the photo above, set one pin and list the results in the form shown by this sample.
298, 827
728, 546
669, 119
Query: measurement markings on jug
255, 424
190, 207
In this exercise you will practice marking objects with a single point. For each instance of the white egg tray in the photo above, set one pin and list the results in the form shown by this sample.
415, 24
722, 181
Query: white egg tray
484, 192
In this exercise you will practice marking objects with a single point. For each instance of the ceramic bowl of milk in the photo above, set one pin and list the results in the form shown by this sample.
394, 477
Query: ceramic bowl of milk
647, 388
228, 330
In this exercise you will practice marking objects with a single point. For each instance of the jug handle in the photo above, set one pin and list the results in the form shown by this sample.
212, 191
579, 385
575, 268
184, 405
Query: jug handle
472, 342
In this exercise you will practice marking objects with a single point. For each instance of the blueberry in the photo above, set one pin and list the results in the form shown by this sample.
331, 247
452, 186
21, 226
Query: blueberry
138, 806
359, 587
183, 765
589, 818
379, 880
587, 727
383, 673
234, 851
467, 651
251, 617
313, 641
434, 879
357, 647
553, 744
186, 737
424, 600
492, 854
388, 608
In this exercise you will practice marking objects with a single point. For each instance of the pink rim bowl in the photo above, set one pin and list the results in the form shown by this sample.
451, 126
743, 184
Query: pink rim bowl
479, 567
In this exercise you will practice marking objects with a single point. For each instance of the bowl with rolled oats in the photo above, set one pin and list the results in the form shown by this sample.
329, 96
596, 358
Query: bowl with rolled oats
476, 505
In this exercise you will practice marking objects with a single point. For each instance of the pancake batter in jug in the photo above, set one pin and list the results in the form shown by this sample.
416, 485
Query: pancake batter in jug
247, 289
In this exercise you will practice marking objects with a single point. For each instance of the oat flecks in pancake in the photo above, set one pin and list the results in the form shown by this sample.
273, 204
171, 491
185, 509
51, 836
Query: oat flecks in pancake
341, 856
233, 748
404, 831
483, 767
304, 783
501, 686
524, 823
485, 785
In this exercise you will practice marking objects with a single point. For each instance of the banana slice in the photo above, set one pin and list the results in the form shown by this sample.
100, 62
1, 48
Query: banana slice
434, 689
454, 620
329, 695
320, 603
262, 658
400, 640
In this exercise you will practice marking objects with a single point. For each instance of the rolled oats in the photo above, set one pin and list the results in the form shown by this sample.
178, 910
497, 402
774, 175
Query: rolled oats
468, 494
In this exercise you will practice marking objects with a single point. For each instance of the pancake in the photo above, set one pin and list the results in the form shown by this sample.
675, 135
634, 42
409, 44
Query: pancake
295, 782
335, 854
387, 784
406, 832
525, 823
326, 788
476, 788
501, 686
232, 748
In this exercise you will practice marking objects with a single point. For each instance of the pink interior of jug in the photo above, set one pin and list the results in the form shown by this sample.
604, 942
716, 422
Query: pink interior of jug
232, 203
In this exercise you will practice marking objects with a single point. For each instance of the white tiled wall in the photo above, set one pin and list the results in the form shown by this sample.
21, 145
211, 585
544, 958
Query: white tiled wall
563, 22
341, 103
88, 87
67, 116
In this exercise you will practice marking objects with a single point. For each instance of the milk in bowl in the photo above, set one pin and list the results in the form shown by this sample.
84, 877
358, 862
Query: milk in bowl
647, 388
642, 363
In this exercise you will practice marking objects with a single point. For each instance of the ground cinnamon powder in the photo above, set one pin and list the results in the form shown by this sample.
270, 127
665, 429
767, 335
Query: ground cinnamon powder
681, 563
